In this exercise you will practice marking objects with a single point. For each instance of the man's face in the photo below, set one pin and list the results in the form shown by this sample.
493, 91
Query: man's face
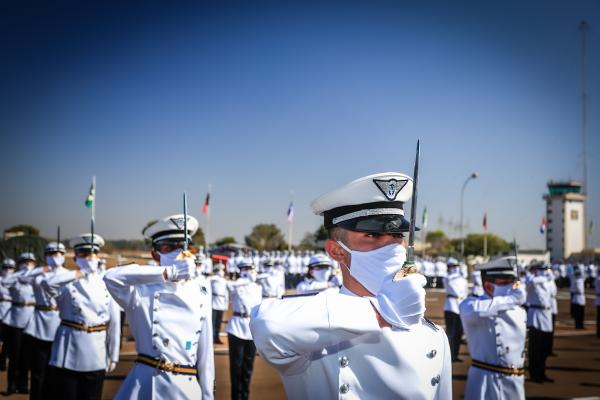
360, 241
85, 254
489, 284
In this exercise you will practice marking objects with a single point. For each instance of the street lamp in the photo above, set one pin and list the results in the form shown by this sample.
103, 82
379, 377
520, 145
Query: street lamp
474, 175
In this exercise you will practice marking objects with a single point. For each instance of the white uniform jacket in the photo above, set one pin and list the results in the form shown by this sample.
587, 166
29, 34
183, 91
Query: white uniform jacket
83, 301
477, 289
245, 294
496, 330
330, 346
220, 294
577, 290
270, 283
169, 321
5, 300
456, 291
539, 301
553, 291
45, 320
309, 285
23, 301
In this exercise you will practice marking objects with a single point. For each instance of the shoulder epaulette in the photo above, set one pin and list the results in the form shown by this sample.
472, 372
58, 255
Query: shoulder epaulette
431, 324
291, 296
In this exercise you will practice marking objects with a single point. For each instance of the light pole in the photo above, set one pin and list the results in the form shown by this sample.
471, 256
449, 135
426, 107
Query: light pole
462, 195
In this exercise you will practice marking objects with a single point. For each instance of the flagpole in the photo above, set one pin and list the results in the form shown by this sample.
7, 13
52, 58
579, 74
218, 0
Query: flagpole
93, 212
207, 237
485, 244
291, 221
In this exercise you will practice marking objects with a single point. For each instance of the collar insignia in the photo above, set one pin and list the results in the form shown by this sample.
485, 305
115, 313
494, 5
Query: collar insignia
391, 187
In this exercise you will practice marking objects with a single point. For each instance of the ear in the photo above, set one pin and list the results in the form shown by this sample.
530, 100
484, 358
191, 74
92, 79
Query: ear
488, 287
155, 255
336, 251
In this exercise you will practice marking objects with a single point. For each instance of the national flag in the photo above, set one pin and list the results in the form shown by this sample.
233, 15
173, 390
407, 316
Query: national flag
89, 200
424, 220
543, 225
290, 212
485, 221
206, 203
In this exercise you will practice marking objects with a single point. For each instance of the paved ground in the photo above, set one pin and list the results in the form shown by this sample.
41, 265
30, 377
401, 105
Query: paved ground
576, 368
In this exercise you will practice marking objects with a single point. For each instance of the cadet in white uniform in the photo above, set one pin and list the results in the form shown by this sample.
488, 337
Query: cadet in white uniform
220, 300
539, 321
495, 328
21, 311
41, 328
270, 280
86, 345
317, 277
456, 291
477, 289
370, 339
8, 268
245, 294
169, 311
577, 295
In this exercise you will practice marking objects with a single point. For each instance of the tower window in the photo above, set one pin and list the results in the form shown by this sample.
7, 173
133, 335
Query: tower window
574, 215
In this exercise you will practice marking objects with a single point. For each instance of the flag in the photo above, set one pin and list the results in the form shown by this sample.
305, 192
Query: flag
89, 200
424, 221
543, 225
290, 212
206, 202
591, 228
485, 221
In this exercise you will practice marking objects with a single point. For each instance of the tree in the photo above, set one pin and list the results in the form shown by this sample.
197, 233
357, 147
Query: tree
307, 242
225, 240
321, 234
198, 238
474, 244
266, 237
27, 230
440, 244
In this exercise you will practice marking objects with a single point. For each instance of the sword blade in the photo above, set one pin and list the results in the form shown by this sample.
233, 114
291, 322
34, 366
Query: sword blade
413, 208
185, 244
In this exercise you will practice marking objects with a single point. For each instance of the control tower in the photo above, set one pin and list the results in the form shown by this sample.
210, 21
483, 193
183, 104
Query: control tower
565, 214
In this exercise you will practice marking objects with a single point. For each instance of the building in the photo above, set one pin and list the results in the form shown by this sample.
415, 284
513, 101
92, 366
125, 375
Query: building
565, 215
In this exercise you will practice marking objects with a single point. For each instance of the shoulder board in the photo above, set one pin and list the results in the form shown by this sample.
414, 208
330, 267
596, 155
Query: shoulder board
431, 324
291, 296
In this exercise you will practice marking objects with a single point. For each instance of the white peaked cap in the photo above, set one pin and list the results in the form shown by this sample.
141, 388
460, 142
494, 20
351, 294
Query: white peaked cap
500, 266
374, 203
171, 229
85, 242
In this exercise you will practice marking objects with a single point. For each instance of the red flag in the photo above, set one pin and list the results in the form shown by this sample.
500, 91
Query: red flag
205, 206
485, 221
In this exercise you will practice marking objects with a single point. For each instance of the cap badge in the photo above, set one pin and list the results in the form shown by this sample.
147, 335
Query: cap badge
178, 222
390, 187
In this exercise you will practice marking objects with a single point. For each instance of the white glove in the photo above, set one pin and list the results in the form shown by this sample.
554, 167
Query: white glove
181, 270
518, 294
401, 303
111, 366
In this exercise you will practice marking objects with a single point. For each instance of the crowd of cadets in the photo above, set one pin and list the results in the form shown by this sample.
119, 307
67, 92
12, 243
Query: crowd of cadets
41, 309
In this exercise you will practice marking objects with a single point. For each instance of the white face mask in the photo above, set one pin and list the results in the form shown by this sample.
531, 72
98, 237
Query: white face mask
87, 264
55, 261
248, 275
321, 274
502, 290
168, 259
371, 267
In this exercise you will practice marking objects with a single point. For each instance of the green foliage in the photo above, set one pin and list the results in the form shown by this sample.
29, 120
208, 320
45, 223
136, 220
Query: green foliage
12, 247
199, 239
321, 233
440, 244
28, 230
474, 244
225, 240
266, 237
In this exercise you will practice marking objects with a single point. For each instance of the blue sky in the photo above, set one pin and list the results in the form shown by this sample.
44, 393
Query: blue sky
267, 99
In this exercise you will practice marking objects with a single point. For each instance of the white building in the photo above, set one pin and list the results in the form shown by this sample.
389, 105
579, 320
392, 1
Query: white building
565, 214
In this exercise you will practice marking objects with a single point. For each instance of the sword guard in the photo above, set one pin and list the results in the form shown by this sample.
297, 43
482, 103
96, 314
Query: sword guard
408, 268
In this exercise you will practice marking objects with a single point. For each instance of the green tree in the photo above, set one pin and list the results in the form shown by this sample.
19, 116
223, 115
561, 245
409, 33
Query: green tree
198, 238
321, 234
440, 244
307, 242
266, 237
225, 240
27, 230
474, 244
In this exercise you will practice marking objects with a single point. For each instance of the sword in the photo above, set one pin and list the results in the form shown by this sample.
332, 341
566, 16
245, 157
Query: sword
409, 264
185, 244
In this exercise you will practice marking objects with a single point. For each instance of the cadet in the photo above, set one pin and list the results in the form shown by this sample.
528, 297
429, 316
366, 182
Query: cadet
456, 291
495, 328
220, 300
245, 294
370, 339
8, 268
86, 345
169, 312
539, 321
477, 289
317, 277
41, 328
270, 280
577, 296
23, 303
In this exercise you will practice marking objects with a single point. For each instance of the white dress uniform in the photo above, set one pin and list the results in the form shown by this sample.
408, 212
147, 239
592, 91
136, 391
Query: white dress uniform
456, 291
84, 302
270, 281
170, 321
495, 330
310, 285
5, 299
220, 294
477, 289
23, 300
244, 295
577, 290
333, 350
45, 320
539, 301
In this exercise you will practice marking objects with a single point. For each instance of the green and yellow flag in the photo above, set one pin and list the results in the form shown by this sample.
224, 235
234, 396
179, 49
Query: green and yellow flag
89, 200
